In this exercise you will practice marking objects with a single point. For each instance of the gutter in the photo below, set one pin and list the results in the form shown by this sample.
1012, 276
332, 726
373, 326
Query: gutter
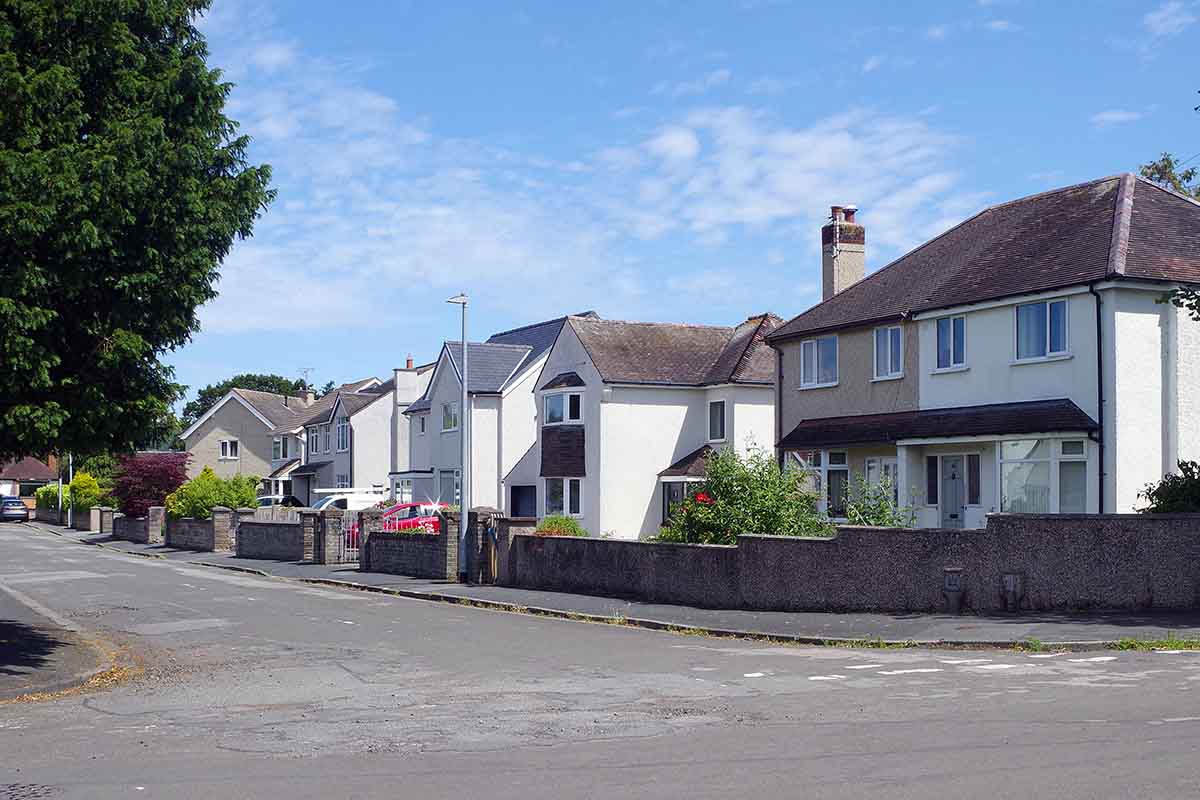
1099, 392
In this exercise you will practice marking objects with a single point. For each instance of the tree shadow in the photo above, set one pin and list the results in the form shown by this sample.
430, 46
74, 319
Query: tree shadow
24, 648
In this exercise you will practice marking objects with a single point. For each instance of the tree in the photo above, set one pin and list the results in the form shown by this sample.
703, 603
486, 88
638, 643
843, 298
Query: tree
122, 188
146, 479
209, 395
1176, 493
326, 389
1168, 171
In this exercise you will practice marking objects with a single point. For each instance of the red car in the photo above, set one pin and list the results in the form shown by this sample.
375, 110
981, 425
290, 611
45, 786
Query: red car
403, 517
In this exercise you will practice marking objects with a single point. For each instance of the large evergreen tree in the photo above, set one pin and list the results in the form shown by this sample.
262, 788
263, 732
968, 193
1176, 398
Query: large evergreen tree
122, 188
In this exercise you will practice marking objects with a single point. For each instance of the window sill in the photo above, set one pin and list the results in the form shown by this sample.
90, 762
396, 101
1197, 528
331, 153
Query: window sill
885, 378
560, 424
816, 386
717, 441
449, 430
949, 370
1018, 362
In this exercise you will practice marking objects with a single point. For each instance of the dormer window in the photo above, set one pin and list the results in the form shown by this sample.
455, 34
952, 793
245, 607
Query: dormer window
562, 408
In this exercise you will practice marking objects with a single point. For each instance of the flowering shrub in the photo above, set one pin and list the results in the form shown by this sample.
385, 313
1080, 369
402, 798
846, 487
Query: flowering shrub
558, 525
145, 480
85, 491
199, 496
745, 495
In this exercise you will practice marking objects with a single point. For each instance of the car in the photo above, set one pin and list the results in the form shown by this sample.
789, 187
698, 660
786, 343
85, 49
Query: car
405, 517
353, 502
13, 509
286, 500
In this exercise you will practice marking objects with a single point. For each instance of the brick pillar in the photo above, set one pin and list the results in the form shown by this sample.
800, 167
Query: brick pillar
450, 528
94, 518
156, 524
327, 545
240, 516
370, 521
223, 528
106, 520
309, 523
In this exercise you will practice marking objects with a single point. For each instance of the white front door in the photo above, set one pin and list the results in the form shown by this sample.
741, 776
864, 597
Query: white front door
952, 492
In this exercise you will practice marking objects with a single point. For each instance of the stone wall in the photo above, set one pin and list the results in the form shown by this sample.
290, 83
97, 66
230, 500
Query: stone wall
1048, 562
418, 555
81, 519
131, 529
189, 534
281, 541
48, 515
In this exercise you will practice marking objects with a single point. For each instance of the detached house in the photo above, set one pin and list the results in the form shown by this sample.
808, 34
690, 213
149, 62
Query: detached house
1021, 361
237, 436
627, 412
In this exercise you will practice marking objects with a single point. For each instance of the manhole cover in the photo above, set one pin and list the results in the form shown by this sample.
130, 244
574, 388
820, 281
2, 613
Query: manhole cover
27, 791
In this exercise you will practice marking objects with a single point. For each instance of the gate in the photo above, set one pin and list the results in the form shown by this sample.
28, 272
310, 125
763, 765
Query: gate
349, 540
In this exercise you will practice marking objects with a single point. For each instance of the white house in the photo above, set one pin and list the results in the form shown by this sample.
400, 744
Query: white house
1022, 361
501, 371
628, 411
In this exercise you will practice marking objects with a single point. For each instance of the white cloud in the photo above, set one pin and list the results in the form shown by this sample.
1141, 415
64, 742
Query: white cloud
674, 143
1003, 26
937, 32
1169, 19
873, 63
273, 56
713, 80
1115, 116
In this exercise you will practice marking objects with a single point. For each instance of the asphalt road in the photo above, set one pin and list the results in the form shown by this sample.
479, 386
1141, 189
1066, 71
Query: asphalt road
256, 687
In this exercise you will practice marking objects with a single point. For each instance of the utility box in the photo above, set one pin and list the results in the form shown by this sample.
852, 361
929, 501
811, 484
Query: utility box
952, 589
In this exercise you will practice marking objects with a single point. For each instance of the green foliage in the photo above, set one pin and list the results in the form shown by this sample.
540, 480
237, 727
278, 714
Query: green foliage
47, 496
748, 495
872, 505
1177, 493
558, 525
122, 187
1168, 171
199, 496
207, 397
85, 491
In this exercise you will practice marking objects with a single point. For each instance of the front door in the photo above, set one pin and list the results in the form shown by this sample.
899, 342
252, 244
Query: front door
524, 501
952, 491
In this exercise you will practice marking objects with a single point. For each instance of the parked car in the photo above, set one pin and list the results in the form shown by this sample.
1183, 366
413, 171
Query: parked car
288, 500
353, 502
12, 509
403, 517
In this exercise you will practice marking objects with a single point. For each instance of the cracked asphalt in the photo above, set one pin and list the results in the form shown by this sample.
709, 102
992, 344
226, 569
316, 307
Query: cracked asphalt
254, 687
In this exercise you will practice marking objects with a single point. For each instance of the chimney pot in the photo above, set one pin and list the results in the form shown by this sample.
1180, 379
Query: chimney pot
836, 213
408, 363
850, 212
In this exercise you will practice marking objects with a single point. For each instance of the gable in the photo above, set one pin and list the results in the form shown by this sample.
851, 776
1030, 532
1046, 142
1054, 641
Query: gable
230, 397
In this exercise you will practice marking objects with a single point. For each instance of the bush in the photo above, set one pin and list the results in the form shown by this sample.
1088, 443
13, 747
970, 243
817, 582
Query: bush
1175, 493
749, 495
199, 496
47, 496
85, 491
872, 505
558, 525
145, 480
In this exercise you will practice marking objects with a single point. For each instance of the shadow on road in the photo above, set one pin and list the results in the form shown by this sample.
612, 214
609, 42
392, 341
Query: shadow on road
24, 648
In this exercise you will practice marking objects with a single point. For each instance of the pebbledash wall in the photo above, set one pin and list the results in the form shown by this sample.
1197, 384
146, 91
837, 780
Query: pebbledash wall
1051, 562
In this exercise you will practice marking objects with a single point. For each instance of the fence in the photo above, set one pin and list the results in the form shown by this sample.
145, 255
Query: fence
276, 514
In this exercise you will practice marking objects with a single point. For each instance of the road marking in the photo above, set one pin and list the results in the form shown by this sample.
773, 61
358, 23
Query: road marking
30, 603
346, 622
1048, 655
827, 677
910, 671
864, 666
1178, 652
48, 577
1092, 660
179, 626
992, 666
960, 661
753, 675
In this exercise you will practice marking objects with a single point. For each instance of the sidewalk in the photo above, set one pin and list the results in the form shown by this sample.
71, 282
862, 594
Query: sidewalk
37, 654
1096, 629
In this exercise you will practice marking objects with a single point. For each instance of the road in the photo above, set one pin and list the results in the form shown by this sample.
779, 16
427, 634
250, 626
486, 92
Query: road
254, 687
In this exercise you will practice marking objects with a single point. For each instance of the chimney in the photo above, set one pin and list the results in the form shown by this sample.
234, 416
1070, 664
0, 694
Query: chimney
309, 396
843, 251
408, 363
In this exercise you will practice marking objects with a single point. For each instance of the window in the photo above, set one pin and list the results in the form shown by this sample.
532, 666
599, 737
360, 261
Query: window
421, 424
341, 481
931, 480
403, 491
837, 485
325, 437
564, 496
561, 407
889, 353
826, 474
973, 479
1025, 476
951, 342
716, 421
674, 493
1041, 329
314, 440
450, 486
818, 362
276, 449
1072, 478
449, 417
343, 434
885, 472
229, 449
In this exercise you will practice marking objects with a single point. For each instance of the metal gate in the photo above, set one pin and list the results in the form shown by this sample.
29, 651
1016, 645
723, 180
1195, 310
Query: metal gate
350, 538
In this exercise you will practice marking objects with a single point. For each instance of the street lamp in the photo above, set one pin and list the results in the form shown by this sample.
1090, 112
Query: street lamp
464, 416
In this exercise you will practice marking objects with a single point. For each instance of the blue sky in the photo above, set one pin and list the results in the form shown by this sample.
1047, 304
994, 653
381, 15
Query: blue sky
649, 160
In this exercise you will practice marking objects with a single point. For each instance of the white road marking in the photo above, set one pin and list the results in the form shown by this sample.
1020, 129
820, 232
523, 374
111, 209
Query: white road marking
827, 677
864, 666
346, 622
48, 577
1048, 655
1178, 652
753, 675
910, 671
1092, 660
960, 661
37, 607
992, 666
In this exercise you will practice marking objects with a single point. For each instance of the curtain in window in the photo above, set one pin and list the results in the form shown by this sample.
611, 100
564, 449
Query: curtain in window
1031, 330
827, 368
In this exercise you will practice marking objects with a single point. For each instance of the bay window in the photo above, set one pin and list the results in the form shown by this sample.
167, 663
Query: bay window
819, 362
1043, 476
564, 496
825, 473
562, 408
889, 353
951, 342
1041, 329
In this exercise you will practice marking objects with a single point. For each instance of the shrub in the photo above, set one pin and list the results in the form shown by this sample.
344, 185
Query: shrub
145, 480
85, 491
47, 496
872, 505
558, 525
199, 496
1175, 493
745, 495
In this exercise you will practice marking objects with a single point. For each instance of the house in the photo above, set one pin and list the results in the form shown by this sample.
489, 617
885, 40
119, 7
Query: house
501, 411
1019, 362
628, 411
22, 477
237, 435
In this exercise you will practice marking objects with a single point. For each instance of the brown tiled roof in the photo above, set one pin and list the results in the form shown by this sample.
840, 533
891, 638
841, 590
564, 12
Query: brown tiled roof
678, 355
693, 465
564, 380
27, 469
998, 419
1112, 228
320, 410
280, 410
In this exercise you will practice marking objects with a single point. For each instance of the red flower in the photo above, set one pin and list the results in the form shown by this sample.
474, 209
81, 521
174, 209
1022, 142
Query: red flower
704, 499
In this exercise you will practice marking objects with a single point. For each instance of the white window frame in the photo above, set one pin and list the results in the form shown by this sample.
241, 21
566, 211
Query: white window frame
276, 448
326, 439
816, 345
1050, 355
566, 509
965, 456
953, 366
314, 439
821, 472
887, 375
881, 465
341, 481
342, 429
566, 420
403, 490
724, 421
230, 450
457, 417
457, 499
1055, 459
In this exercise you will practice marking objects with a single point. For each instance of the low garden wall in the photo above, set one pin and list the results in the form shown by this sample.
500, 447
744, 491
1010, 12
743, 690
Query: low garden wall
281, 541
202, 534
418, 555
143, 530
85, 519
47, 515
1019, 562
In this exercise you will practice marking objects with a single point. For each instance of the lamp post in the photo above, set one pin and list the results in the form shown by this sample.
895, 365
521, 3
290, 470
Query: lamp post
464, 434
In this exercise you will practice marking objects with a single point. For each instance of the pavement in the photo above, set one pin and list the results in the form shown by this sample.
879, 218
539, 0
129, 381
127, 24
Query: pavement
1078, 631
253, 687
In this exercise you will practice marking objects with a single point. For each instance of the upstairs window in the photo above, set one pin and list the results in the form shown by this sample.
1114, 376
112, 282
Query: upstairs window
1041, 329
314, 439
562, 408
819, 362
229, 448
421, 424
325, 439
343, 434
276, 449
951, 342
889, 352
449, 416
716, 421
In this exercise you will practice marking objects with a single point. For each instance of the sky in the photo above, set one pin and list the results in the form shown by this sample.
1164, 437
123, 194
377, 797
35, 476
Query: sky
652, 161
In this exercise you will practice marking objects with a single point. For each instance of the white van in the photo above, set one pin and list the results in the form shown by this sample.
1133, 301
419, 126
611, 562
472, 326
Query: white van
347, 502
